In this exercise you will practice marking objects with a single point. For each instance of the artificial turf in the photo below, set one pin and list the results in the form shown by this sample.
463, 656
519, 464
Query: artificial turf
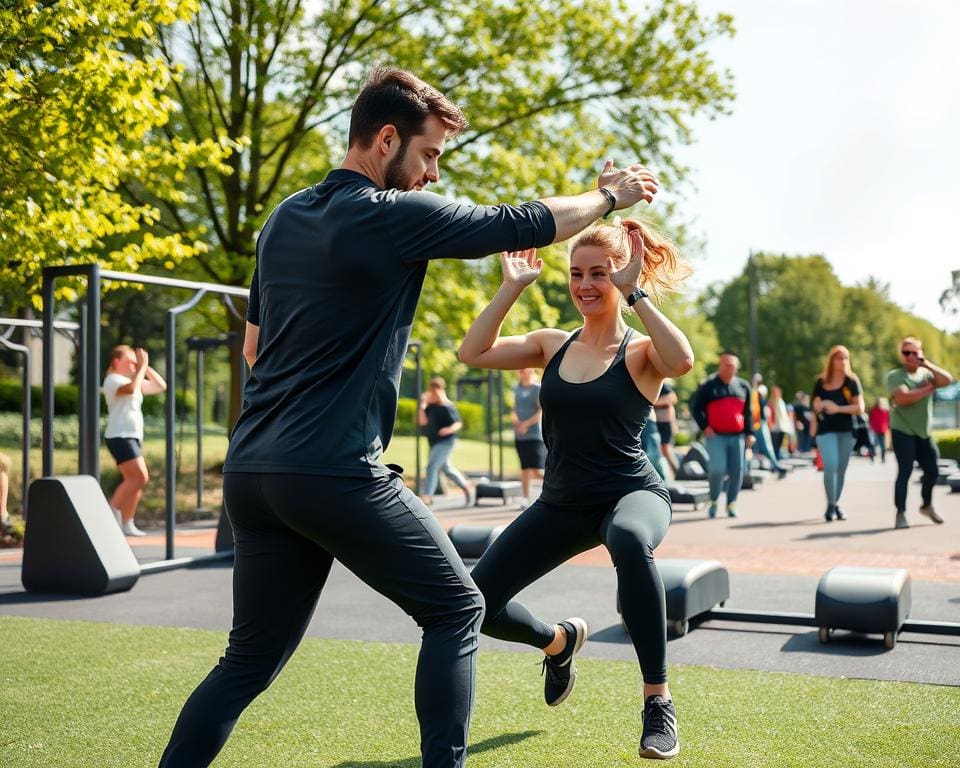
77, 694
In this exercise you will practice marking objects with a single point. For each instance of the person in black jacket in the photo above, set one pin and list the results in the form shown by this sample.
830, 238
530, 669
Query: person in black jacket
721, 408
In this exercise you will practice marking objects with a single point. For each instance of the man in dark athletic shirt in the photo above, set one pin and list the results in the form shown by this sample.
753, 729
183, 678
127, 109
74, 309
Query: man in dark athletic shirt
340, 266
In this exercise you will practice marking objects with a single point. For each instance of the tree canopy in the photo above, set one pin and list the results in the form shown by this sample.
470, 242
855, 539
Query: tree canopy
77, 111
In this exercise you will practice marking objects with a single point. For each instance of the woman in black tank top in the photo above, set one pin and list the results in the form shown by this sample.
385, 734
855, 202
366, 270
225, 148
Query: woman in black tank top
599, 487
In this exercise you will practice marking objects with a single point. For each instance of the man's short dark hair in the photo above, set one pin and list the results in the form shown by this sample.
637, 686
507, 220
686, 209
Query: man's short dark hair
397, 97
728, 352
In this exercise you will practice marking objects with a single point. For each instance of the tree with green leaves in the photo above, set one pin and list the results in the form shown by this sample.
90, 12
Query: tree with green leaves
803, 310
78, 112
548, 85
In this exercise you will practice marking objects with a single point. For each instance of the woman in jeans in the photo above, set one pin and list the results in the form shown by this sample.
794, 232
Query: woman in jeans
837, 398
442, 420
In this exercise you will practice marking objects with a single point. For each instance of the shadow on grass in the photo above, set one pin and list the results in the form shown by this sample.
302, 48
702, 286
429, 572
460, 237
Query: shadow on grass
496, 742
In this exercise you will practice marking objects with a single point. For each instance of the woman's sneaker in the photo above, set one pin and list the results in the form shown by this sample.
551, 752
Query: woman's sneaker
130, 529
659, 740
560, 670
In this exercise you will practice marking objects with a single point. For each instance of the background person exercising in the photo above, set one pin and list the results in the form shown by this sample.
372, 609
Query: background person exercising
340, 266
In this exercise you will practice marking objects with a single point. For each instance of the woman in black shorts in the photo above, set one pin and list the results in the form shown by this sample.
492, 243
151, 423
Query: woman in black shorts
127, 380
599, 487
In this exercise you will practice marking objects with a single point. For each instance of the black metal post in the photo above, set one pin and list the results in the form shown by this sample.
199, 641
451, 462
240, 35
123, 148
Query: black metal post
92, 403
417, 348
46, 399
490, 420
170, 415
199, 428
500, 418
25, 413
83, 383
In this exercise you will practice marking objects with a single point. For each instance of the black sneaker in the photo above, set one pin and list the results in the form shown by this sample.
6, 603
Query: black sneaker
560, 670
839, 513
659, 740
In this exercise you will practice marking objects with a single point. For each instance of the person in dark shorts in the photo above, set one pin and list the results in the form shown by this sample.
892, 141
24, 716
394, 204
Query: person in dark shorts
129, 377
442, 420
339, 270
599, 486
527, 435
665, 410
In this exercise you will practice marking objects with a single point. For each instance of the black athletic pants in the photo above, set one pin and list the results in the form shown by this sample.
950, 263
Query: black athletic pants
909, 449
546, 535
288, 529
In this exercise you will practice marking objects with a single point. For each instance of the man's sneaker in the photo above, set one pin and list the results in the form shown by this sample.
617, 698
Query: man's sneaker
839, 513
901, 521
928, 511
712, 511
560, 670
659, 740
731, 510
828, 515
781, 473
130, 529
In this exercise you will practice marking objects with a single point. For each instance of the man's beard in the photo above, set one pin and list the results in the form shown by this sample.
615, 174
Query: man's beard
394, 176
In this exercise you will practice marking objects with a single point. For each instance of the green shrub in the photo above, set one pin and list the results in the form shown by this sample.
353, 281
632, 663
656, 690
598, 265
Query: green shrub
473, 415
65, 398
65, 431
948, 443
682, 438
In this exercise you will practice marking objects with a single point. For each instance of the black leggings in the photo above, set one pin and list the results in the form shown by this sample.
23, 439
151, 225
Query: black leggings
909, 449
546, 535
287, 531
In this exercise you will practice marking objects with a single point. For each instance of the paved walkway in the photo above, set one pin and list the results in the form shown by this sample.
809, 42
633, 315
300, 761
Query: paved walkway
780, 528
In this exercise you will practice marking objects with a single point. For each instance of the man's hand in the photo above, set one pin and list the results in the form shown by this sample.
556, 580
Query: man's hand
629, 185
143, 359
710, 432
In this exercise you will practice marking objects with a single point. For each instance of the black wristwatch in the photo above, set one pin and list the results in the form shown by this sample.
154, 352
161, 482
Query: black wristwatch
633, 298
611, 198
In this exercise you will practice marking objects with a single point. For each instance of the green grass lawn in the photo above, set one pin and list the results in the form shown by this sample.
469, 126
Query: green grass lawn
77, 695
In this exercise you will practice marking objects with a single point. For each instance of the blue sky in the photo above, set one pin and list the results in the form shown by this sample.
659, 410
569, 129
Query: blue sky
845, 141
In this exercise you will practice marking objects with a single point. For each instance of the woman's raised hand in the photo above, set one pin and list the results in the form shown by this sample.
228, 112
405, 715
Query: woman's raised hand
520, 268
628, 278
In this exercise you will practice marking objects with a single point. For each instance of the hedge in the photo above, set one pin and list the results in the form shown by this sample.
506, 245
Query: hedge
948, 442
473, 415
66, 399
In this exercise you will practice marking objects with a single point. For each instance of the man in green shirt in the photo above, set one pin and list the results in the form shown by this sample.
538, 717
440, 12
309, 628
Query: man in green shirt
911, 389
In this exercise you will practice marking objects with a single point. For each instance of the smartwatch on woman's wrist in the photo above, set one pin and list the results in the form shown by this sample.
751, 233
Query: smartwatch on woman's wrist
634, 296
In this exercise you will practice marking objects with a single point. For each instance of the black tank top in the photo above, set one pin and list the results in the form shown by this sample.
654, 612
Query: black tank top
592, 432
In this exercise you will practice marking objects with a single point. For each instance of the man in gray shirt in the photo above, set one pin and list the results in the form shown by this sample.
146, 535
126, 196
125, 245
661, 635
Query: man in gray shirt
527, 435
340, 266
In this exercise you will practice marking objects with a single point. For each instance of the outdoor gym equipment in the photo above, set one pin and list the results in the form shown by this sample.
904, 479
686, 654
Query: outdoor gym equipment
11, 324
471, 541
73, 543
89, 365
867, 600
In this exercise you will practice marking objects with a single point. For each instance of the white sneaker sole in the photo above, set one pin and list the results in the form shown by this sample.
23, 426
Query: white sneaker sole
582, 632
655, 754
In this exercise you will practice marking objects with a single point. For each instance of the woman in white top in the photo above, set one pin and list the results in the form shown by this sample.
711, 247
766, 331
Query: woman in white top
128, 379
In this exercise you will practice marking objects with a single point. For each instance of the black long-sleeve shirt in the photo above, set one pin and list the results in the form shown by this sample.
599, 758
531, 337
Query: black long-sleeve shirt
340, 266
